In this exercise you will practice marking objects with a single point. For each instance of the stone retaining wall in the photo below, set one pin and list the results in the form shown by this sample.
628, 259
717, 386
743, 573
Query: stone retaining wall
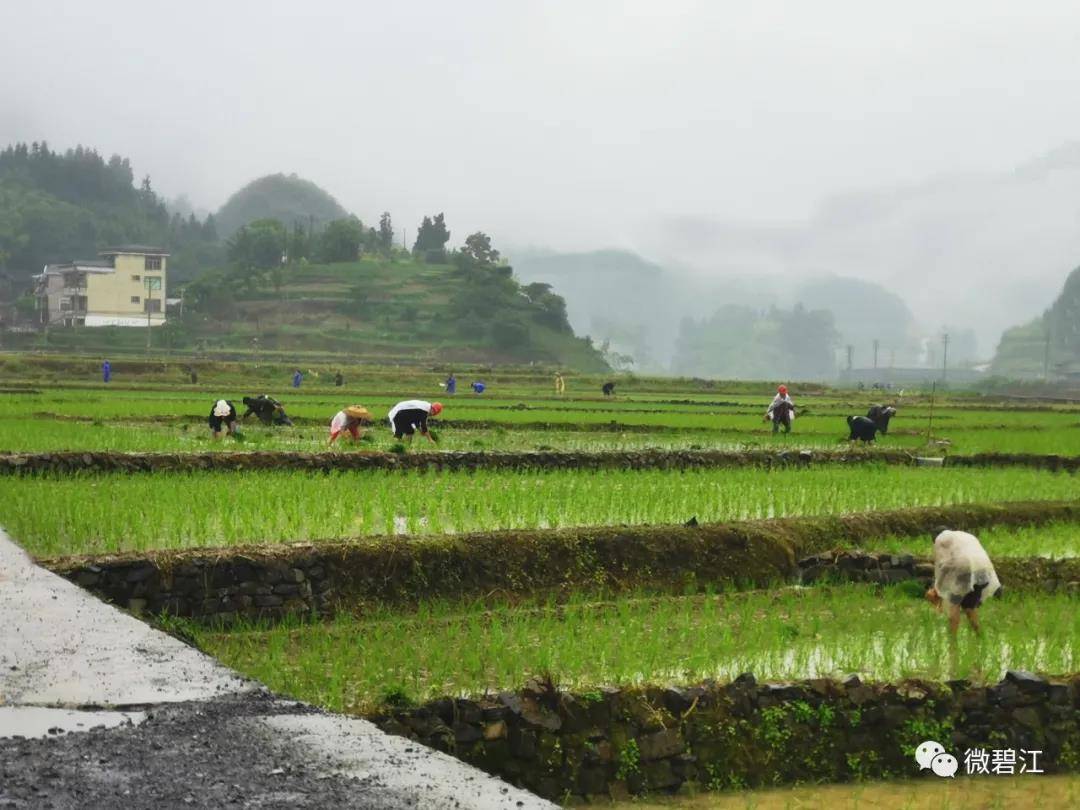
273, 581
74, 461
612, 743
847, 565
69, 462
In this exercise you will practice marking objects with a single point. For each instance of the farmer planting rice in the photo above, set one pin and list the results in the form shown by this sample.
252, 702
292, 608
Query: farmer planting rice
781, 411
880, 416
862, 428
268, 409
963, 576
222, 416
412, 415
350, 419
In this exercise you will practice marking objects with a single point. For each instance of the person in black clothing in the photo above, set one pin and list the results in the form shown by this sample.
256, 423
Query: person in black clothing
608, 388
880, 416
268, 409
412, 415
339, 380
222, 416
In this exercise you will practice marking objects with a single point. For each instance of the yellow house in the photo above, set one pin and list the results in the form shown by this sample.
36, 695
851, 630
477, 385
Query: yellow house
125, 287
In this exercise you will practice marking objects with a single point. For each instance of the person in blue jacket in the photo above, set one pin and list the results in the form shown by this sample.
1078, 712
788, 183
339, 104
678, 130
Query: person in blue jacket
451, 384
297, 378
478, 387
106, 371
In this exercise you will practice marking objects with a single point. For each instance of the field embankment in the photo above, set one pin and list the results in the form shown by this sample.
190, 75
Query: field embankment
92, 461
252, 582
623, 741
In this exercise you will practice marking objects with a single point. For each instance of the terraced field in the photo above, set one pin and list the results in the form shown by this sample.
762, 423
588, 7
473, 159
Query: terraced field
364, 589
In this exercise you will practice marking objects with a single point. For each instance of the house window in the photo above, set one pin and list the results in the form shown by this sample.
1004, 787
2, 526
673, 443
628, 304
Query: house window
153, 305
65, 305
153, 263
136, 278
135, 299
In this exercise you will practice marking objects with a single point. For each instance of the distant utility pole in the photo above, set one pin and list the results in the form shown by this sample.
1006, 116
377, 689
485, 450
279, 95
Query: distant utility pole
944, 356
850, 355
877, 345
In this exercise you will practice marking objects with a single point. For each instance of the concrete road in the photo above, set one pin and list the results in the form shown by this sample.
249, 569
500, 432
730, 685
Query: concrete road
97, 709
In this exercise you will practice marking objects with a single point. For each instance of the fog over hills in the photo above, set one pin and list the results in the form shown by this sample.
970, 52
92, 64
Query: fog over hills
984, 251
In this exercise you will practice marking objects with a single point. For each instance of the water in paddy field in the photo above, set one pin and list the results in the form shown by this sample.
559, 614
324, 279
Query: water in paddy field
876, 658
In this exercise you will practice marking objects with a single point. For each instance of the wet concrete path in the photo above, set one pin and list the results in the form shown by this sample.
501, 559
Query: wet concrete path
97, 709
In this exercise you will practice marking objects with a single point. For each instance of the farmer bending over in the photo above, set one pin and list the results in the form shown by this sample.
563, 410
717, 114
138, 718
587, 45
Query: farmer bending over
349, 419
781, 411
411, 415
222, 415
268, 409
963, 575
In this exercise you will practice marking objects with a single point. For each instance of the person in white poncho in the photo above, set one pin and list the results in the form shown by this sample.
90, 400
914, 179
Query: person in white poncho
963, 577
222, 417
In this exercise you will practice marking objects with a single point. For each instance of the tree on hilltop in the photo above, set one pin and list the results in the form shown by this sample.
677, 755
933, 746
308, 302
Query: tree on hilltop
478, 248
431, 239
386, 233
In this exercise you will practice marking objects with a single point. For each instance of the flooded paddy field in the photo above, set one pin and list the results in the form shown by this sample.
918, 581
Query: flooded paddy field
573, 636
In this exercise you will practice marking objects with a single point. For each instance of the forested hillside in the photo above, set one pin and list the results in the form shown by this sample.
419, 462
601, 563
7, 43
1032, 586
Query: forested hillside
1049, 343
59, 206
289, 199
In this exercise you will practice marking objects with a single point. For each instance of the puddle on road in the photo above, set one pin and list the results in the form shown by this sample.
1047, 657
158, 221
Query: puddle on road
40, 721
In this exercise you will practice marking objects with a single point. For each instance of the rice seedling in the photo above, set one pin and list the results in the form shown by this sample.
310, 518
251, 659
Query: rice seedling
1055, 541
350, 663
88, 513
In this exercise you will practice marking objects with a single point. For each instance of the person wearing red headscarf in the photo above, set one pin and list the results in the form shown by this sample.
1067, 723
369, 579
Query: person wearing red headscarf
782, 411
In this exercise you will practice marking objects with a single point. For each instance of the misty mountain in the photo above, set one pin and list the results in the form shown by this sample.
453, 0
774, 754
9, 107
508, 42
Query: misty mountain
972, 250
739, 342
864, 312
286, 198
639, 307
1048, 343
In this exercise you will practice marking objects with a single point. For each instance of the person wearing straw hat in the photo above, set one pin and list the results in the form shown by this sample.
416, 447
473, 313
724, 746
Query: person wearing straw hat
412, 415
222, 415
349, 419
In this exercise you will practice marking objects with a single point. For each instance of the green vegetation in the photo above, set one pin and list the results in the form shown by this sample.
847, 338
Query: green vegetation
58, 207
740, 341
456, 649
286, 198
90, 513
1056, 540
587, 620
381, 307
990, 793
1047, 344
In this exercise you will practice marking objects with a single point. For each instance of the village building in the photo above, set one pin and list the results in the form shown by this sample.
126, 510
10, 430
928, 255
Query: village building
124, 287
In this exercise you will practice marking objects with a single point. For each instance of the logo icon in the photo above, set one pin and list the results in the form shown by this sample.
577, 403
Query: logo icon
931, 754
944, 765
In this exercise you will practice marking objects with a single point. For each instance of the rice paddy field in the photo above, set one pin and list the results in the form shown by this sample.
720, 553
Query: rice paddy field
444, 645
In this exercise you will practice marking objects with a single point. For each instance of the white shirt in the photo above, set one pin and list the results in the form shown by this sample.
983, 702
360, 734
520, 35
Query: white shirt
339, 422
961, 563
408, 405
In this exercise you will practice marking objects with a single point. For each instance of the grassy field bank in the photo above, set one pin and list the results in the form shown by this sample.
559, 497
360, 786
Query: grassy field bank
87, 513
354, 663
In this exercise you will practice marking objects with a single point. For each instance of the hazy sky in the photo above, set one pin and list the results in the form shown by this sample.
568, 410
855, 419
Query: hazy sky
568, 125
